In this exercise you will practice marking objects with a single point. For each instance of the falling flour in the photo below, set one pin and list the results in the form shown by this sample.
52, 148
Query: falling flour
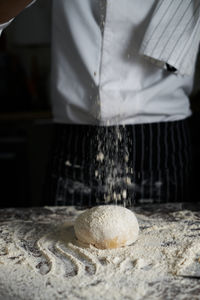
40, 257
113, 171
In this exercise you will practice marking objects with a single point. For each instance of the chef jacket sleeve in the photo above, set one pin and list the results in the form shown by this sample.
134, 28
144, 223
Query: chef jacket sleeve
173, 35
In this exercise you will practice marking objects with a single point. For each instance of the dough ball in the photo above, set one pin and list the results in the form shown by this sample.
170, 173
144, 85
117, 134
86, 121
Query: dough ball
107, 226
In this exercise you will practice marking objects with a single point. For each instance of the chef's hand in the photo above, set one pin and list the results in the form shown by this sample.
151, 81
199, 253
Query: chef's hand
11, 8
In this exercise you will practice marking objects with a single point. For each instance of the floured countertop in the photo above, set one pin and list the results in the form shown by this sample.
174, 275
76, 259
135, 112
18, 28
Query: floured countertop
40, 257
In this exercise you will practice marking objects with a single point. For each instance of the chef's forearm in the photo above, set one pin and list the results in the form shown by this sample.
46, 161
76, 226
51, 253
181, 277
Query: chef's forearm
10, 8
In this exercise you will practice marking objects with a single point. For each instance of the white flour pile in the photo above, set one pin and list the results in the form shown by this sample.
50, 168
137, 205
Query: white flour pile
40, 258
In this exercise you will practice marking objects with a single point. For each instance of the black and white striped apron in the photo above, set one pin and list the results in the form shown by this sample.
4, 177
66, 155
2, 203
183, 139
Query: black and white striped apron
159, 163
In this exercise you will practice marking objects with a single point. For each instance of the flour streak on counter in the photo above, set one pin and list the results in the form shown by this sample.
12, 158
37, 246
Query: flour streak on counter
40, 257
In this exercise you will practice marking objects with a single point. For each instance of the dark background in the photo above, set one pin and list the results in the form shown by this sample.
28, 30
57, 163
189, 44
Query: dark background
26, 127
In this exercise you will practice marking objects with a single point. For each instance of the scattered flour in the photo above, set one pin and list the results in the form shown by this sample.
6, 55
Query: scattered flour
40, 257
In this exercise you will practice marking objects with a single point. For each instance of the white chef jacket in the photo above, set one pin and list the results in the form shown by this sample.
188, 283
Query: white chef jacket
109, 60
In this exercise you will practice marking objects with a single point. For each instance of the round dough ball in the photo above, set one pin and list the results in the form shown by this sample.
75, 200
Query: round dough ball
107, 226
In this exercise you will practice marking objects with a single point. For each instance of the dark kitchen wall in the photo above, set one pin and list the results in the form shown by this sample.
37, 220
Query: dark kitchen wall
25, 110
27, 42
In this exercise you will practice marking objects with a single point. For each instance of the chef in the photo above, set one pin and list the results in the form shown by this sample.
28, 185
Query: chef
122, 70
